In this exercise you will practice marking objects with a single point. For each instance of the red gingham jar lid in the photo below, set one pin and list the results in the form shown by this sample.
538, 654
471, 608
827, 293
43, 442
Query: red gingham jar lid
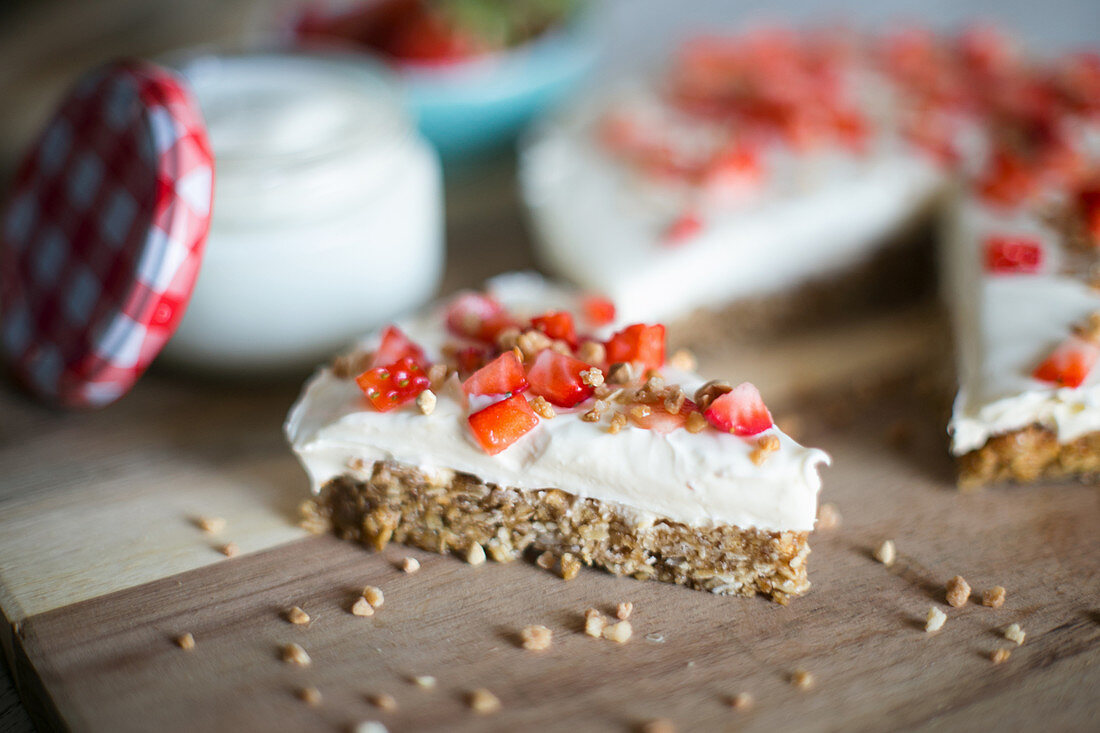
102, 234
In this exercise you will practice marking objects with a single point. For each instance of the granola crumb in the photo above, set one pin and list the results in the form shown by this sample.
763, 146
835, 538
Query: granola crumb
1000, 655
310, 696
640, 412
570, 566
623, 610
374, 596
362, 607
958, 592
475, 554
295, 654
371, 726
764, 447
425, 402
483, 701
437, 375
424, 681
410, 565
543, 408
659, 725
1089, 329
696, 423
297, 616
802, 679
654, 637
886, 553
619, 633
618, 422
828, 517
185, 642
592, 415
229, 549
741, 701
684, 360
546, 561
594, 622
535, 638
674, 400
383, 701
593, 377
1014, 633
935, 619
210, 525
711, 391
994, 597
592, 352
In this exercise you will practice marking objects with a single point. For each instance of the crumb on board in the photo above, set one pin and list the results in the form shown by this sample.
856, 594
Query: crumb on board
958, 592
185, 642
570, 566
546, 561
1013, 632
623, 610
658, 725
535, 637
994, 597
374, 596
295, 654
886, 553
1000, 655
828, 517
210, 525
483, 701
935, 619
310, 696
370, 726
383, 701
475, 554
297, 616
423, 681
229, 549
362, 607
594, 622
741, 701
802, 679
410, 565
619, 632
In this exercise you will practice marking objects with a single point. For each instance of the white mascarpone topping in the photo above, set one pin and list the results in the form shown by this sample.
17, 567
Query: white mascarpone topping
702, 479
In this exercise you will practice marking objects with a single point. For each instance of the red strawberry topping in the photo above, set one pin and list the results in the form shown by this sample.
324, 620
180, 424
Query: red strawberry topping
1088, 199
1004, 255
502, 423
557, 377
477, 316
558, 325
740, 411
598, 310
1009, 180
661, 421
502, 375
394, 346
393, 385
1069, 364
638, 343
683, 228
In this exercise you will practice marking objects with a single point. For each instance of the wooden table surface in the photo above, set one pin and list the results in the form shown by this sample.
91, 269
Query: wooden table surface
101, 564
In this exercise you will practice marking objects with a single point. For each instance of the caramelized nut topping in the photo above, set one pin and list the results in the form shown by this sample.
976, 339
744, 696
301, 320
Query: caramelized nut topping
618, 422
592, 352
542, 407
674, 399
696, 423
709, 392
958, 592
620, 373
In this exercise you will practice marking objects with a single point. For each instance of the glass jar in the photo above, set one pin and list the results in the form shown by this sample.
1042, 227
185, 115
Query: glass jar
328, 210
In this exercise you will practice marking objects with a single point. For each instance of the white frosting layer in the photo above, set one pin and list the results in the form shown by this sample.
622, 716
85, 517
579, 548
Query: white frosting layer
702, 479
1006, 325
601, 226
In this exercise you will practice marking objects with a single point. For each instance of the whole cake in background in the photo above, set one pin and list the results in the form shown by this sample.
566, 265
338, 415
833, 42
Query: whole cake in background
526, 419
775, 173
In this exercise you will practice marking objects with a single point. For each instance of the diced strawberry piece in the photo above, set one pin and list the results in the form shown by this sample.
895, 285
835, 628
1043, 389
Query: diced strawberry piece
598, 310
557, 377
661, 421
1008, 181
393, 385
1088, 199
683, 228
638, 343
740, 411
1069, 364
395, 345
735, 169
477, 316
558, 325
426, 37
502, 375
1005, 255
471, 358
502, 423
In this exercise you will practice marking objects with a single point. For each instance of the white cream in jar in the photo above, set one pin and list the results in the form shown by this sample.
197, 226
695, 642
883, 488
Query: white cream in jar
328, 212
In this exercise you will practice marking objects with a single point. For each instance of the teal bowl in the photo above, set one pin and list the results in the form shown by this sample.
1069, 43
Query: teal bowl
477, 105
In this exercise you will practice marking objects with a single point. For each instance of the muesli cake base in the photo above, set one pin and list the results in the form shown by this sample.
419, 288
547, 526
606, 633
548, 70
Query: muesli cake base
1028, 455
450, 513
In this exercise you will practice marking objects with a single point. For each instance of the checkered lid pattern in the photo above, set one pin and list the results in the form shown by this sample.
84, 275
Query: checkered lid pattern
101, 239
